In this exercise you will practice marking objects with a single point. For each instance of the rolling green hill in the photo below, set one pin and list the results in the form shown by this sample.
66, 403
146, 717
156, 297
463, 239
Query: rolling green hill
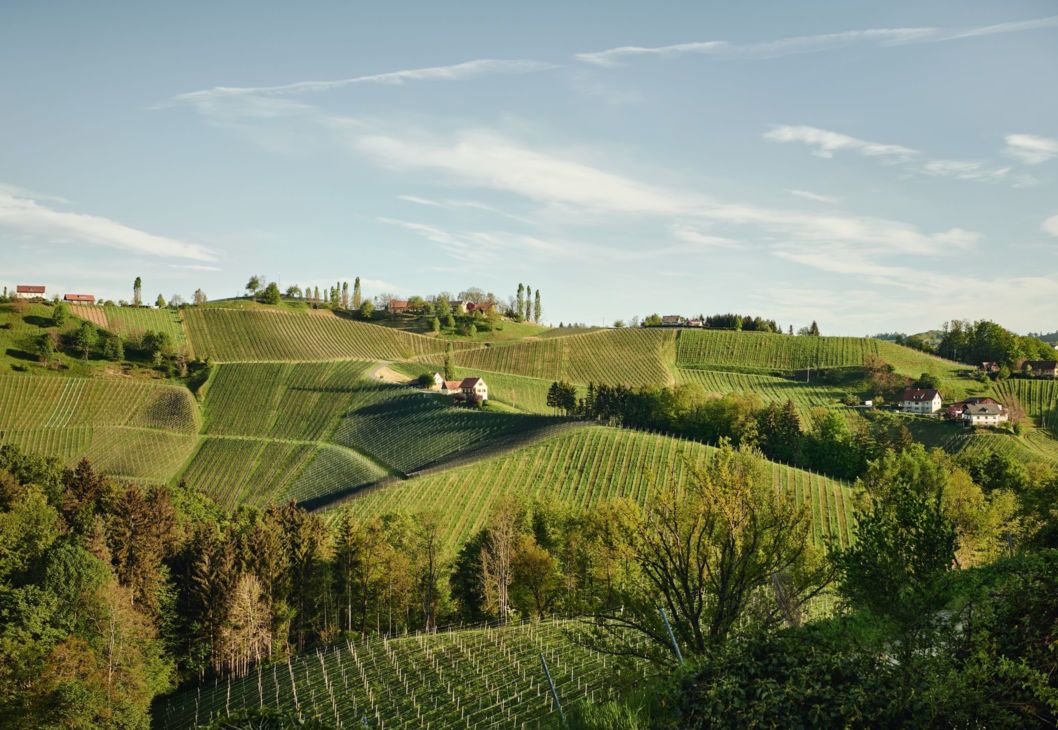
465, 678
234, 335
127, 428
769, 389
583, 466
133, 321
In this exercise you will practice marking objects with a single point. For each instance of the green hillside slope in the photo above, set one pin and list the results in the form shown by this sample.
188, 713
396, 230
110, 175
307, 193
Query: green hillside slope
583, 466
260, 334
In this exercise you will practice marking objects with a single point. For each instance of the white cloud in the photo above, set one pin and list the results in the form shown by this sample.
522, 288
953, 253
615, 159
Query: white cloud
196, 267
824, 143
1050, 226
32, 219
1031, 149
814, 197
812, 43
702, 240
454, 72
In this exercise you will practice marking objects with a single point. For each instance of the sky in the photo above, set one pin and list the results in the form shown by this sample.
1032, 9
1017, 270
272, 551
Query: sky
872, 166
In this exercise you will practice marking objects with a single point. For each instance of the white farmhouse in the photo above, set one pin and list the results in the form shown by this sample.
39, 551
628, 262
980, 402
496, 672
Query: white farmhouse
438, 381
921, 400
985, 414
474, 389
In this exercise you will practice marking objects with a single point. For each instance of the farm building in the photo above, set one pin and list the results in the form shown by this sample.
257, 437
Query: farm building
985, 414
29, 291
79, 298
921, 400
1042, 368
672, 320
474, 388
451, 387
397, 306
438, 381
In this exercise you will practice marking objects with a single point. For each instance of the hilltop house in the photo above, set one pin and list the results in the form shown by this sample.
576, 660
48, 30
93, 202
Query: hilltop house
79, 298
474, 389
1042, 368
672, 320
921, 400
29, 291
397, 306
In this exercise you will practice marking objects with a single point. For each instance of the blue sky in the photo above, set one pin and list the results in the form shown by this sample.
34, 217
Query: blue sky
873, 166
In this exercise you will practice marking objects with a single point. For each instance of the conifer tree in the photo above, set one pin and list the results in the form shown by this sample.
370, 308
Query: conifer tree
528, 302
536, 307
520, 301
137, 292
345, 295
356, 293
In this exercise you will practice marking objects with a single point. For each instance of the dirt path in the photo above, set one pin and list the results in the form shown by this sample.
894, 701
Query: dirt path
387, 375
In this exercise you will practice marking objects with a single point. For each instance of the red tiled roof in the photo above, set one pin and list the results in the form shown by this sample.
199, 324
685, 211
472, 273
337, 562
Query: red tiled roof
79, 298
452, 384
29, 289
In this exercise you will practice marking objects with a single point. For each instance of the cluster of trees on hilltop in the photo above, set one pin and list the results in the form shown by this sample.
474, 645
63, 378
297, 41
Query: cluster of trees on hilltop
985, 341
745, 322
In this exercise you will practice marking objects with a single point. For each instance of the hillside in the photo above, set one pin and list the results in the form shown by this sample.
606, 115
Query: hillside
234, 335
127, 428
583, 466
462, 678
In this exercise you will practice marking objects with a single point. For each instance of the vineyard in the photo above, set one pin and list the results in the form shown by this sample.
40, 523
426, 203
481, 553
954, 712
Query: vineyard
32, 401
256, 334
805, 396
1039, 398
134, 321
235, 471
301, 401
332, 472
485, 677
409, 430
583, 467
622, 356
775, 352
1032, 446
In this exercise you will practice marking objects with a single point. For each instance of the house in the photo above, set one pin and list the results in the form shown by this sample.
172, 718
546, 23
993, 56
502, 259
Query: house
985, 414
921, 400
990, 367
29, 291
397, 306
695, 323
1042, 368
474, 389
451, 387
458, 306
672, 320
438, 381
79, 298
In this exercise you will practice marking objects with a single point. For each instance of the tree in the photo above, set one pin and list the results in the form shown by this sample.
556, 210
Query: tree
47, 347
345, 295
429, 542
520, 301
85, 338
814, 329
366, 309
356, 293
708, 551
160, 302
316, 294
114, 348
927, 380
450, 321
293, 292
435, 325
472, 331
536, 307
200, 297
271, 294
497, 555
247, 634
450, 371
60, 314
526, 313
253, 285
137, 292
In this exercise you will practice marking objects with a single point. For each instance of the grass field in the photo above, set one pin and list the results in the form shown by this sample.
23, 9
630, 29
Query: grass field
302, 401
775, 352
770, 389
1039, 398
240, 335
408, 430
487, 677
133, 321
582, 467
623, 356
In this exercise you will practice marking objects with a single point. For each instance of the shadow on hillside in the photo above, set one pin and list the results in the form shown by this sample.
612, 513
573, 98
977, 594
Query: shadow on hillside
20, 354
38, 321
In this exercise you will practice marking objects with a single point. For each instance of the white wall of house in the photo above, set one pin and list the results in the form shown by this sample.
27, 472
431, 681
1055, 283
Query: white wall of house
912, 406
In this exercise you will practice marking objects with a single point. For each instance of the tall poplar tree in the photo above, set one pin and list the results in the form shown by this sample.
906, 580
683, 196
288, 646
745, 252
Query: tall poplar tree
137, 292
528, 303
356, 293
345, 295
520, 301
536, 307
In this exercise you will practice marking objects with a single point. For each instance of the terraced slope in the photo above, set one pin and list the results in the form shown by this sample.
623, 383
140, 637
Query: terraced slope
128, 428
623, 356
488, 677
240, 335
132, 321
1033, 446
408, 430
584, 466
302, 401
769, 389
760, 351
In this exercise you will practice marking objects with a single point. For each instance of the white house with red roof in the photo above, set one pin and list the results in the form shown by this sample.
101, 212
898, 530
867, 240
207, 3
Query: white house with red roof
29, 291
921, 400
474, 388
